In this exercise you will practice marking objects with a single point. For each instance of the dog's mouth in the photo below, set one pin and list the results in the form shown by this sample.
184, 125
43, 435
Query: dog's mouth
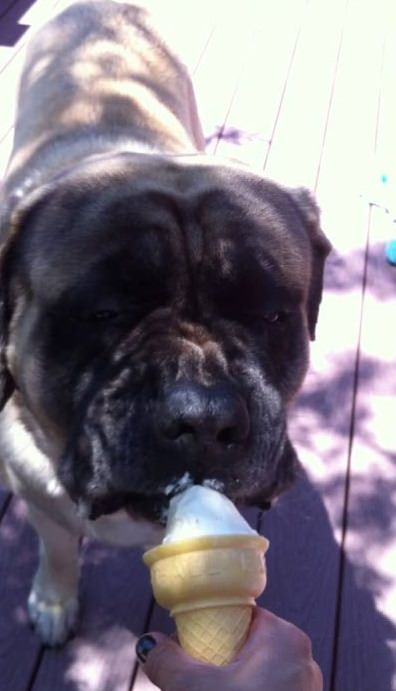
151, 502
150, 507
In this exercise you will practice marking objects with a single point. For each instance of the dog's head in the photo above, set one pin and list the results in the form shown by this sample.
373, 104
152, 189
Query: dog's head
155, 320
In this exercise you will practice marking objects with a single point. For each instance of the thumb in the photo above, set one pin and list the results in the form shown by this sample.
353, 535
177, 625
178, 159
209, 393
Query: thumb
167, 665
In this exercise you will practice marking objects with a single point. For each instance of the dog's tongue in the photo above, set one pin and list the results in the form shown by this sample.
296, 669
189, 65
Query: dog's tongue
202, 511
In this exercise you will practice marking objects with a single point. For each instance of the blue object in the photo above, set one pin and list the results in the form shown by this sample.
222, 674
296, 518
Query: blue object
390, 252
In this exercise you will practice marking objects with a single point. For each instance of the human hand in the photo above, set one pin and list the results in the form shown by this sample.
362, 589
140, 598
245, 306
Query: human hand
277, 656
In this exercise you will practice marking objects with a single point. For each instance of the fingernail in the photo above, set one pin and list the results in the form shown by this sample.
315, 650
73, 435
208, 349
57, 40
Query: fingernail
144, 645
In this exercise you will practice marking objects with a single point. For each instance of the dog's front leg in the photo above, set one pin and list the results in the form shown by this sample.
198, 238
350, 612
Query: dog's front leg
53, 600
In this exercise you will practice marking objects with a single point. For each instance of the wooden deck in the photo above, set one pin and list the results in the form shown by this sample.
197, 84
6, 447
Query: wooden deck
307, 91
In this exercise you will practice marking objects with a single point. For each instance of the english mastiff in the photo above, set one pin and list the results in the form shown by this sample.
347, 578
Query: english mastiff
156, 303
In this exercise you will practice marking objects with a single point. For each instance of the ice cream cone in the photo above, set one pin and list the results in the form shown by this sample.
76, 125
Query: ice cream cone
210, 585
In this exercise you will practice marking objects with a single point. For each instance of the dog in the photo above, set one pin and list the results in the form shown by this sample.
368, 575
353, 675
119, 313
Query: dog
156, 303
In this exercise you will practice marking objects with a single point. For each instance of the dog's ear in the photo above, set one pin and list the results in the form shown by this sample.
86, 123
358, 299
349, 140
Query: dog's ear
320, 248
7, 206
14, 210
6, 381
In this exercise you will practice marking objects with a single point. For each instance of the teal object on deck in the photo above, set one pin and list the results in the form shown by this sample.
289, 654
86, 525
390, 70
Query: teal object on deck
390, 252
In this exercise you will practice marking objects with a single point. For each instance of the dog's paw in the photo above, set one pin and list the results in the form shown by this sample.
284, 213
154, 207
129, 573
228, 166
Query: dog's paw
54, 622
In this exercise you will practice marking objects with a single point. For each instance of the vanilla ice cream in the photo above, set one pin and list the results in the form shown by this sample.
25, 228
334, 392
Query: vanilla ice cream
208, 574
200, 511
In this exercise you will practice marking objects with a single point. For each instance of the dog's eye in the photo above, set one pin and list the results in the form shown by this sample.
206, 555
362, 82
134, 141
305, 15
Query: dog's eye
276, 317
103, 315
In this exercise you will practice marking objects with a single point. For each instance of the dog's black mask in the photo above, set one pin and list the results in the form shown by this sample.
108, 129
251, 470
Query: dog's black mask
162, 328
154, 417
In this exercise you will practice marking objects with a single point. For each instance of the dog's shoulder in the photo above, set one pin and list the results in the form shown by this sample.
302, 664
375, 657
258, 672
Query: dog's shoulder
25, 467
27, 470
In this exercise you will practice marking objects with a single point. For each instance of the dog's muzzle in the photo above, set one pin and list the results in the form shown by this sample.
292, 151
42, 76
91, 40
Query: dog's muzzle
209, 422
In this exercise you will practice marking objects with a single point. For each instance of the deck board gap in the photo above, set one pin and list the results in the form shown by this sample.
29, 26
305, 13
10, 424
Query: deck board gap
203, 50
332, 92
219, 134
347, 485
146, 627
282, 96
5, 505
35, 669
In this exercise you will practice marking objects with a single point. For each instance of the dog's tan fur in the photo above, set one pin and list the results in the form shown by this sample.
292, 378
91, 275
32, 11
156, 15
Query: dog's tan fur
100, 70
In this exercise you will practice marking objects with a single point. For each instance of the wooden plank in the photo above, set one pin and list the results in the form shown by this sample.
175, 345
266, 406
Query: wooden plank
19, 647
218, 72
301, 564
304, 526
349, 148
345, 213
351, 129
367, 638
115, 596
189, 36
321, 418
300, 128
250, 121
367, 659
349, 145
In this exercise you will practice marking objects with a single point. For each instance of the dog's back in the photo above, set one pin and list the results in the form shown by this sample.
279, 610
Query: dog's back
98, 77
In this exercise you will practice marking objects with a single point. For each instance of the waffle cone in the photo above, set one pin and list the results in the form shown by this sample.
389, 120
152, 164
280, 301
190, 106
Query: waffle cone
214, 634
210, 584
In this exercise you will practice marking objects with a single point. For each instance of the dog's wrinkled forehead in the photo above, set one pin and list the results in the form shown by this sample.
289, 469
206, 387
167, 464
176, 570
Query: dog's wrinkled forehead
96, 231
165, 220
247, 234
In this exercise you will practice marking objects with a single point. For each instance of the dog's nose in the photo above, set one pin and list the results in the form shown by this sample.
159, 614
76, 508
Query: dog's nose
208, 416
